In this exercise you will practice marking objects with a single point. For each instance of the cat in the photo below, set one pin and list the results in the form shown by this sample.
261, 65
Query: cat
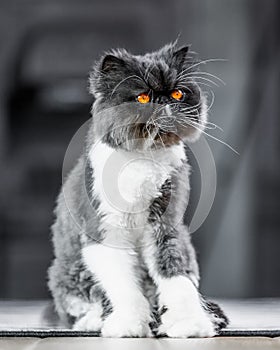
124, 263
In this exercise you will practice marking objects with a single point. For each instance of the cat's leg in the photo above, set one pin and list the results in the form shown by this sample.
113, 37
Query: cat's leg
100, 307
69, 286
114, 269
183, 312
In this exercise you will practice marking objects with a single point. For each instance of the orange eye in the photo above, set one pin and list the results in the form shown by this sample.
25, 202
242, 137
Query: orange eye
143, 98
177, 95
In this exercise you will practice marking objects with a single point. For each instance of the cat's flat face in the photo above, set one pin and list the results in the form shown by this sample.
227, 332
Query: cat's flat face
147, 101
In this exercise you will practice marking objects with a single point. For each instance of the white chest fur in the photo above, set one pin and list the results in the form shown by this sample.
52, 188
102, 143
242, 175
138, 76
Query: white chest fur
125, 182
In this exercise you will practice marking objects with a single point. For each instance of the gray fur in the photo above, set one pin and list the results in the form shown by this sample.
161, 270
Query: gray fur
115, 81
175, 253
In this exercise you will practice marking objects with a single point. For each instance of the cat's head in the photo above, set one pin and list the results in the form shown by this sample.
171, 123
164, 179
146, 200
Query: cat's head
147, 101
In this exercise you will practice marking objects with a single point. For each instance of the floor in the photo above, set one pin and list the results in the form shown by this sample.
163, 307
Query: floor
78, 343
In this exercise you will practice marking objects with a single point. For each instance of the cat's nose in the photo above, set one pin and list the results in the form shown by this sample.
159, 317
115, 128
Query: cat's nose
161, 99
165, 111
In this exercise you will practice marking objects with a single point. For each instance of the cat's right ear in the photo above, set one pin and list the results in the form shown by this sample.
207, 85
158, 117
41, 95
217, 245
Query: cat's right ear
180, 56
111, 63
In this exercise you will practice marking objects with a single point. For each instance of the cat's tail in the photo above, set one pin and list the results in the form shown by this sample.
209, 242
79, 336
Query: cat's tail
217, 314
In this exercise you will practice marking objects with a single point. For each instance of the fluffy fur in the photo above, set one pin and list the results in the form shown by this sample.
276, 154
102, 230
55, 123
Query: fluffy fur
124, 263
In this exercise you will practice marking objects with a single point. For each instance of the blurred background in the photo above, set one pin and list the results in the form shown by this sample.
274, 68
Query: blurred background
46, 51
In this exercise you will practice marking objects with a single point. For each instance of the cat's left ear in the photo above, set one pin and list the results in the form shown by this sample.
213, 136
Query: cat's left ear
180, 56
111, 63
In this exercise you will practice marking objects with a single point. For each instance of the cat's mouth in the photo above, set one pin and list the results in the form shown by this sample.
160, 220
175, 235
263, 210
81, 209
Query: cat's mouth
155, 136
166, 138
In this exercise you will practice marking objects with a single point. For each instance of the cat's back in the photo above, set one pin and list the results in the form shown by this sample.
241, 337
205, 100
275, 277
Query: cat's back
72, 208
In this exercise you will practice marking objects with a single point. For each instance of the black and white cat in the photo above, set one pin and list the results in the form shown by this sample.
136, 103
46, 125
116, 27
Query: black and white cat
124, 263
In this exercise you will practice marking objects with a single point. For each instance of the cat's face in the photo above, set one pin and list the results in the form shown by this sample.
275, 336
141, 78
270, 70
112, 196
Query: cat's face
147, 101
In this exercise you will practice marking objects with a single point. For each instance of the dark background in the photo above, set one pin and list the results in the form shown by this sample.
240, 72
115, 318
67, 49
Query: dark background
46, 51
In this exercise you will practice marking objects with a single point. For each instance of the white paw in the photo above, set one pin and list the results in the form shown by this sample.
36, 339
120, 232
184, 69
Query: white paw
76, 306
181, 325
127, 324
185, 316
91, 321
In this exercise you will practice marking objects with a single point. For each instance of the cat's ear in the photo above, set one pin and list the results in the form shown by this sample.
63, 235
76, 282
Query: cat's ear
180, 56
111, 63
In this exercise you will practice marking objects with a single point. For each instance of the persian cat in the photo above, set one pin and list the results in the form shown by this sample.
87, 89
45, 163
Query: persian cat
124, 263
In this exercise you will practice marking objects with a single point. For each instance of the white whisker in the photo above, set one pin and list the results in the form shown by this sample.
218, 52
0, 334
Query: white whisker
204, 62
204, 79
214, 138
190, 74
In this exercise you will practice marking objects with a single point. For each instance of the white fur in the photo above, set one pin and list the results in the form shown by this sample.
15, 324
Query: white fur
126, 323
76, 306
126, 183
92, 320
115, 270
185, 316
131, 170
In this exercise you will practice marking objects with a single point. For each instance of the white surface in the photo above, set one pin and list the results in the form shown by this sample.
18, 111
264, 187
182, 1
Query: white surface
261, 314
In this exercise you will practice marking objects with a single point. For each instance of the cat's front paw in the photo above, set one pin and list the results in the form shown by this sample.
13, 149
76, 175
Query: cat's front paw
91, 321
76, 306
121, 324
178, 324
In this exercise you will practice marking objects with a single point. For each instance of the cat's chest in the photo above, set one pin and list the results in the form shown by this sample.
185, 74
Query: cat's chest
126, 182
